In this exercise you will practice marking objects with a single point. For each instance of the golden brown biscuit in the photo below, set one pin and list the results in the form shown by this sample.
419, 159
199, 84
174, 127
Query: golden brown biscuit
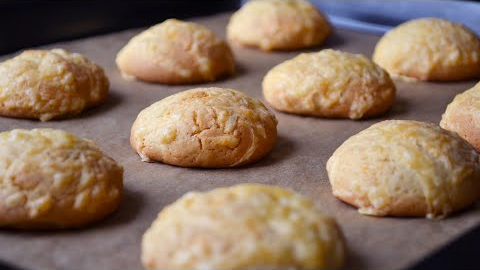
176, 52
278, 25
52, 179
405, 168
248, 226
329, 83
50, 84
463, 116
204, 127
430, 49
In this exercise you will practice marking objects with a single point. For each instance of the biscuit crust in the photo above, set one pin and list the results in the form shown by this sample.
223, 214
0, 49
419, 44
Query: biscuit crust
278, 25
405, 168
248, 226
52, 179
462, 116
430, 49
50, 84
176, 52
329, 83
204, 127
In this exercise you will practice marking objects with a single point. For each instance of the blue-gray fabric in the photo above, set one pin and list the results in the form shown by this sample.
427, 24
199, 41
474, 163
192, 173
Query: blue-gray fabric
379, 16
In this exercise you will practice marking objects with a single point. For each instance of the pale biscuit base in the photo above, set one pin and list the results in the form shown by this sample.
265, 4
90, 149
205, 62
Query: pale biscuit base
176, 52
50, 84
278, 25
329, 83
463, 116
430, 49
248, 226
52, 179
405, 168
204, 127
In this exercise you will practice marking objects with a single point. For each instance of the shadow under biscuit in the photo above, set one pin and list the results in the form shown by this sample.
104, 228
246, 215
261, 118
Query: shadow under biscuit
284, 147
114, 99
131, 205
399, 108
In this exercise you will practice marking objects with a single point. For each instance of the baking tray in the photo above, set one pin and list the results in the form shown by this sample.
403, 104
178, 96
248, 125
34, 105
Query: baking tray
297, 161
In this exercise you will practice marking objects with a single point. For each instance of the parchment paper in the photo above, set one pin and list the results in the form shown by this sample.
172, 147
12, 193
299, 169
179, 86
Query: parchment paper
297, 161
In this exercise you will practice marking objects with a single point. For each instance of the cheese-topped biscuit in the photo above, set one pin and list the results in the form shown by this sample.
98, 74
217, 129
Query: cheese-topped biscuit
405, 168
430, 49
248, 226
205, 127
176, 52
329, 83
278, 25
52, 179
50, 84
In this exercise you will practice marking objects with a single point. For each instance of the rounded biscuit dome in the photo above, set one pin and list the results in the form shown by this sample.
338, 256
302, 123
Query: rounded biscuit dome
329, 83
405, 168
204, 127
176, 52
46, 84
430, 49
52, 179
463, 116
278, 25
248, 226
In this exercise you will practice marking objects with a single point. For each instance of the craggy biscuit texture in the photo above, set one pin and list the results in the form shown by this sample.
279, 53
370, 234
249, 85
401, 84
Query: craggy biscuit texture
329, 83
430, 49
176, 52
405, 168
248, 226
278, 25
52, 179
205, 127
50, 84
463, 116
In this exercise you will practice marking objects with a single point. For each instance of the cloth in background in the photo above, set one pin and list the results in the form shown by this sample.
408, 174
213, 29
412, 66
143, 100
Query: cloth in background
377, 17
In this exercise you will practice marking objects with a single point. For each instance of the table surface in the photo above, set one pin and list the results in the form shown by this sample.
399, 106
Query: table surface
297, 161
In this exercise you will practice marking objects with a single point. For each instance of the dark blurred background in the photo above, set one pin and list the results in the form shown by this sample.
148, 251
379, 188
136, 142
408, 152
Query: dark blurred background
31, 23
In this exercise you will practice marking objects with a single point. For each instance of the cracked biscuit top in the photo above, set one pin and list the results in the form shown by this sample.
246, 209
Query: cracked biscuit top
405, 168
204, 127
176, 52
430, 49
329, 83
247, 226
278, 25
50, 84
52, 179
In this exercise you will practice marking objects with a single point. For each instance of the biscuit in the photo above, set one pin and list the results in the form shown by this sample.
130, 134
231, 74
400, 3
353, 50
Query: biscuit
52, 179
248, 226
463, 116
430, 49
278, 25
50, 84
204, 127
176, 52
405, 168
329, 83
